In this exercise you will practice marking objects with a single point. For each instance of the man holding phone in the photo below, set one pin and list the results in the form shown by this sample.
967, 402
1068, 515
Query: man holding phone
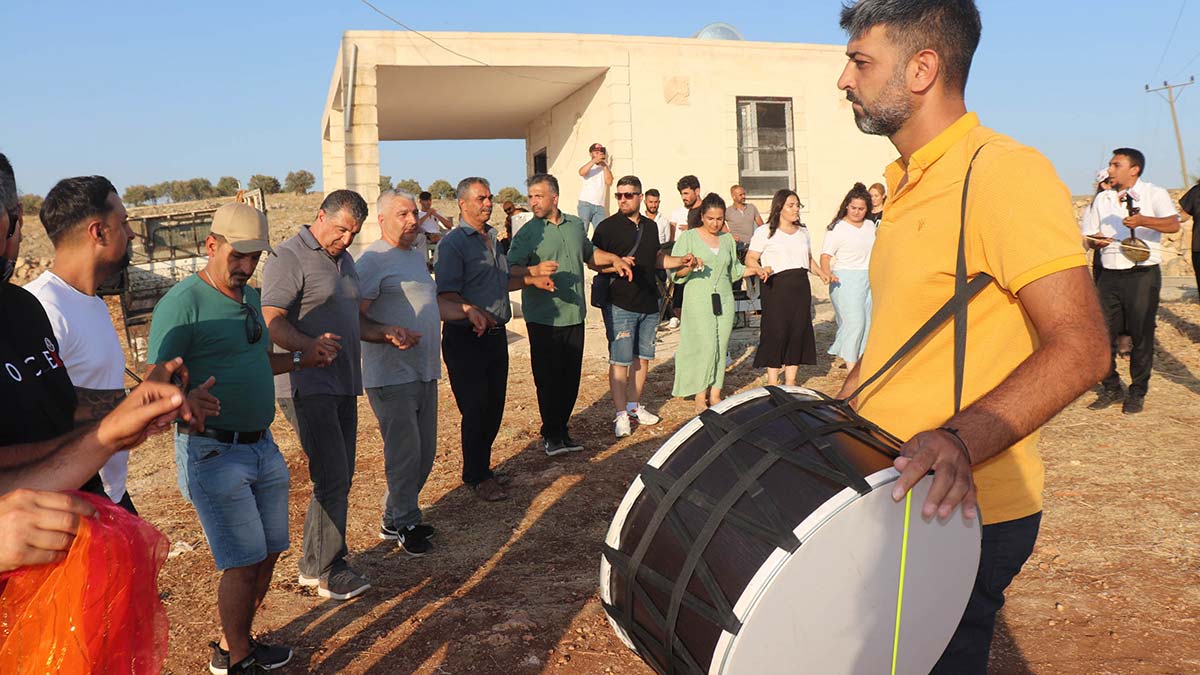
597, 176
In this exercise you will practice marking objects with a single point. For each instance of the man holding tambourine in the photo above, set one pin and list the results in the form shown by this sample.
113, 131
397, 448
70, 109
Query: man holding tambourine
1126, 224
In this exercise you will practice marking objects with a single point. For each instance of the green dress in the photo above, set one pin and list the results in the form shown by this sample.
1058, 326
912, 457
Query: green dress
703, 337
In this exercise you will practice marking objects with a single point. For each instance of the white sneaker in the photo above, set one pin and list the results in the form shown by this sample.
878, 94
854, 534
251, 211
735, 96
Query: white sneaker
643, 416
673, 323
621, 425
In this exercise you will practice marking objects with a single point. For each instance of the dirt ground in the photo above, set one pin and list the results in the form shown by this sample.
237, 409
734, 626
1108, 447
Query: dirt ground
512, 587
1113, 586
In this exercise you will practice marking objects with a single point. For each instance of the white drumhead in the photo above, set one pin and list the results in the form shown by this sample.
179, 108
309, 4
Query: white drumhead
830, 608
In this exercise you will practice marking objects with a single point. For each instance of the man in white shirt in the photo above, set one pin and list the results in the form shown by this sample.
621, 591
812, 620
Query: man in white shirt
597, 176
89, 227
653, 199
430, 224
1129, 289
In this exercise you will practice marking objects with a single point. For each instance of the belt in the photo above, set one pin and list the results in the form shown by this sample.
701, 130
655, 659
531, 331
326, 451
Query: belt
1135, 268
243, 437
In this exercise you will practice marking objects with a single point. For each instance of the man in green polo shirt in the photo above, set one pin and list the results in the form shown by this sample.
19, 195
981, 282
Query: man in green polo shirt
555, 244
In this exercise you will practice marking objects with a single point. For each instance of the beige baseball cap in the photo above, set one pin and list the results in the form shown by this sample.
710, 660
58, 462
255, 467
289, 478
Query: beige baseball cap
243, 226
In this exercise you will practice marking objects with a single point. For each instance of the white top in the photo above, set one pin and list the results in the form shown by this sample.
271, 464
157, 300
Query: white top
592, 191
680, 217
91, 350
519, 220
664, 227
783, 251
850, 246
1108, 210
431, 226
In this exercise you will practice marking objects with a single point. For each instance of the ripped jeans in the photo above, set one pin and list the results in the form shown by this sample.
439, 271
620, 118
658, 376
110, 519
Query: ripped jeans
629, 334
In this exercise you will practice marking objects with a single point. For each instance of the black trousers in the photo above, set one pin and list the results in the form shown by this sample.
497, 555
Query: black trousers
556, 354
478, 369
1129, 299
1196, 263
1005, 548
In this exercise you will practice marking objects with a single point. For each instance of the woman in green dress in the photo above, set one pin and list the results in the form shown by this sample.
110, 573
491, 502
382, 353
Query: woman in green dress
708, 307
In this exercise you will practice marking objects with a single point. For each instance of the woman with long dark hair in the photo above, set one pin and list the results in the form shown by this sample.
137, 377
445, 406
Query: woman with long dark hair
781, 253
707, 305
848, 242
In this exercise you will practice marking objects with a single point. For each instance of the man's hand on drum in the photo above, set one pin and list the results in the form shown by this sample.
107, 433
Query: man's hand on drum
952, 481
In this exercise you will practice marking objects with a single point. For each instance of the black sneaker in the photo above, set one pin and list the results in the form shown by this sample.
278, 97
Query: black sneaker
1133, 404
413, 542
342, 584
389, 533
247, 665
572, 445
554, 447
1109, 396
268, 657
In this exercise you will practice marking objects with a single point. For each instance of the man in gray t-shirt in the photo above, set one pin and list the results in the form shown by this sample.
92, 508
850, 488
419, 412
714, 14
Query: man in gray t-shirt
742, 218
310, 299
397, 289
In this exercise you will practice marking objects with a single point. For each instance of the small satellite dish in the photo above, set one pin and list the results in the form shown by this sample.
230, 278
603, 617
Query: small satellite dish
718, 30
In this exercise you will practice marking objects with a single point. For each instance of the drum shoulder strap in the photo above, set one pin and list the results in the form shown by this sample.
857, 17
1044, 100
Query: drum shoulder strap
956, 307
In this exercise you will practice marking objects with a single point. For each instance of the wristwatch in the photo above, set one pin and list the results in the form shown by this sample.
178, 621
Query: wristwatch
296, 360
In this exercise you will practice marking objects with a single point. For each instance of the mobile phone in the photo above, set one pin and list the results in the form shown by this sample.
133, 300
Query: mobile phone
716, 301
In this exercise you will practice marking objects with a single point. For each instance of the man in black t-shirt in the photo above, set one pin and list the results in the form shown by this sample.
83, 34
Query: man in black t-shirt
1189, 203
631, 315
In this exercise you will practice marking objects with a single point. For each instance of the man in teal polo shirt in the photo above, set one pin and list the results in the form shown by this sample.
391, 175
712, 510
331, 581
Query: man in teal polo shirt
555, 244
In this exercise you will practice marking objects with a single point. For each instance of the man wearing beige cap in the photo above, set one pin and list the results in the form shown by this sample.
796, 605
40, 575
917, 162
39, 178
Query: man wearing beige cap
228, 465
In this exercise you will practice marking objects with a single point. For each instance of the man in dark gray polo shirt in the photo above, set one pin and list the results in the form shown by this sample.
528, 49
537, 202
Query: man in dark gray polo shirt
310, 300
472, 271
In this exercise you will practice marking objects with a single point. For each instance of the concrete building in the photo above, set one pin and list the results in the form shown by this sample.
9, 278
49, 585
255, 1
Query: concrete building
766, 115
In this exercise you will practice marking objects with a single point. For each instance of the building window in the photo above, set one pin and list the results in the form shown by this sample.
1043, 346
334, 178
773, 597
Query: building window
766, 161
539, 161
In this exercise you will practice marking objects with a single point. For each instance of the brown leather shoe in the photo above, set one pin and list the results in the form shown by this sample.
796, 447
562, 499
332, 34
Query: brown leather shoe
490, 491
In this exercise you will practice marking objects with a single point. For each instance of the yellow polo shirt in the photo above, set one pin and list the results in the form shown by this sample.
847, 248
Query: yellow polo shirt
1020, 228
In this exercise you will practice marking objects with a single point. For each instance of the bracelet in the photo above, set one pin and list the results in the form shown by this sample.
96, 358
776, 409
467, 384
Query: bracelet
962, 445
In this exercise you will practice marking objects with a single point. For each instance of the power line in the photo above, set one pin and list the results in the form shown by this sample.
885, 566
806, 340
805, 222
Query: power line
501, 69
1187, 65
1166, 47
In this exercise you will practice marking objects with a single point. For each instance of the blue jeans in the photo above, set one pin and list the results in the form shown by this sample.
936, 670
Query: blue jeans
240, 492
629, 333
591, 215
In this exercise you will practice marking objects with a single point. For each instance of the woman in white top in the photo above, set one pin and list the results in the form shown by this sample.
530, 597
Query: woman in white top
848, 243
782, 251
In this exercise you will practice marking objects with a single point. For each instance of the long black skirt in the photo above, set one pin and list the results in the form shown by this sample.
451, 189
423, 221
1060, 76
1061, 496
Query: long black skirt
786, 337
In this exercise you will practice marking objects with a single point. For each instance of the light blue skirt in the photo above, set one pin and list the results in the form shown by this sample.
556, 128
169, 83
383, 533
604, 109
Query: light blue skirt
851, 298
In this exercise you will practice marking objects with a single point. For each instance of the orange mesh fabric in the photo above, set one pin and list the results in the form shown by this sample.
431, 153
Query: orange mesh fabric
97, 611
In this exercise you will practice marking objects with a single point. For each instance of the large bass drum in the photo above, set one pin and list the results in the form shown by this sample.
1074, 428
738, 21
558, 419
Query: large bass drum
763, 538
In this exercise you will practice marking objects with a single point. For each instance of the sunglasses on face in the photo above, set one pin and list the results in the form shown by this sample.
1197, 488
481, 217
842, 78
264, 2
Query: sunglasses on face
254, 329
627, 195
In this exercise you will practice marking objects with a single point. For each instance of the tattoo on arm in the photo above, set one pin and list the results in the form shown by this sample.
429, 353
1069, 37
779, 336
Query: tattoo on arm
94, 404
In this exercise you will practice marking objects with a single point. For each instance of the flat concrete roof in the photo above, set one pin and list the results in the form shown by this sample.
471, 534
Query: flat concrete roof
426, 102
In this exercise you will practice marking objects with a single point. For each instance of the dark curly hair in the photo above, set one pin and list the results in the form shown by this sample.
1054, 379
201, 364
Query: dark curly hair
859, 191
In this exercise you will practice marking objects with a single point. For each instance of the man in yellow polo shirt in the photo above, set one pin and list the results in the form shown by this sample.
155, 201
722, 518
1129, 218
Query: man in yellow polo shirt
1035, 336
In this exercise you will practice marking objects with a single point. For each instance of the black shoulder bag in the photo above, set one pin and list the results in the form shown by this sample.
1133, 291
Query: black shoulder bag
602, 283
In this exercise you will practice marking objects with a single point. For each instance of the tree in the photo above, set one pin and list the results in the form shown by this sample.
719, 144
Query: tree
200, 188
162, 190
385, 183
227, 186
299, 182
177, 190
409, 185
138, 194
31, 204
268, 184
441, 189
509, 194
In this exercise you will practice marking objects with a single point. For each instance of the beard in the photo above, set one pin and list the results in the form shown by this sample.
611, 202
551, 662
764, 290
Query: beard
888, 112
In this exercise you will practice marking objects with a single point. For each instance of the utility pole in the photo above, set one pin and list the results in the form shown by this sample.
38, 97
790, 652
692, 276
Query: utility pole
1171, 98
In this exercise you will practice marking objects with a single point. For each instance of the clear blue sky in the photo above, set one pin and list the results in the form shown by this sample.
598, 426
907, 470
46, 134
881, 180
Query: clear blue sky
150, 91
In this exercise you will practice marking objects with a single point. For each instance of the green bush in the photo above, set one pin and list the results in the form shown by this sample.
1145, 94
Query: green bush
299, 182
441, 189
268, 184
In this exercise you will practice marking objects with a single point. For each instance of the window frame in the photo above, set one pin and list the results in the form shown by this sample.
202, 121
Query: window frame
751, 154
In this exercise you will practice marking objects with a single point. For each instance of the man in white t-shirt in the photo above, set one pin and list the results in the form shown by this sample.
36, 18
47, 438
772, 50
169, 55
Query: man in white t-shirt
88, 225
597, 176
430, 223
1129, 289
652, 201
